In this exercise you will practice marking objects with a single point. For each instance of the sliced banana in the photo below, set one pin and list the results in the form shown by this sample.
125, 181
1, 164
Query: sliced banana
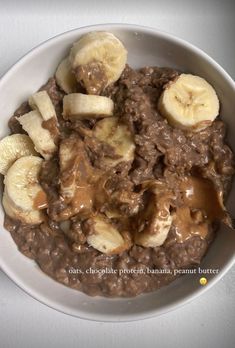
65, 78
67, 163
32, 123
81, 106
76, 175
13, 147
42, 102
154, 222
101, 47
105, 237
22, 186
189, 102
156, 234
73, 166
117, 135
32, 217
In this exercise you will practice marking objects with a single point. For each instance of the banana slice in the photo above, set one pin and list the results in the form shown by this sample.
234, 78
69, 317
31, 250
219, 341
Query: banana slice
74, 167
117, 135
156, 234
154, 222
13, 147
68, 163
32, 217
65, 78
189, 102
81, 106
105, 237
42, 102
21, 184
103, 48
32, 123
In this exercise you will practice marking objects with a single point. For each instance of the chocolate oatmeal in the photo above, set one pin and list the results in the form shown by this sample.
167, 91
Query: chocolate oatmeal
126, 195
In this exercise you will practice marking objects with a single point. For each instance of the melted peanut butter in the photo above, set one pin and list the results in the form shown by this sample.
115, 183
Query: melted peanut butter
51, 126
200, 193
159, 199
40, 201
186, 226
202, 204
77, 172
83, 199
92, 77
156, 212
81, 203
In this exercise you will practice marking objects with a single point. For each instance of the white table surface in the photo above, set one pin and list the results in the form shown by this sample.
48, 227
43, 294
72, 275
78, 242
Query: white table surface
208, 321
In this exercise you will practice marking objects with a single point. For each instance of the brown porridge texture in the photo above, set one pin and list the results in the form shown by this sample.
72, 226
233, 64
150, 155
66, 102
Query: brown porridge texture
162, 152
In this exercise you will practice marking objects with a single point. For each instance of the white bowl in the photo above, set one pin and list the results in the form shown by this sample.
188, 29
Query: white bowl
146, 47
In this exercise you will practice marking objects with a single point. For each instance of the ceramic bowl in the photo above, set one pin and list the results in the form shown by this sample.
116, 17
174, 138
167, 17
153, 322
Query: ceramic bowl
145, 46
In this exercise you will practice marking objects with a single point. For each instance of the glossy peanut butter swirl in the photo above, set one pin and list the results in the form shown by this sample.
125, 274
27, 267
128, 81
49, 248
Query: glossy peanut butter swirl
202, 204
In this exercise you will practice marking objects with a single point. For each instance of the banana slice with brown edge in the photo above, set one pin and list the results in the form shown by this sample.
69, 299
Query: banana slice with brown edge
189, 102
154, 222
23, 197
68, 168
78, 106
116, 134
103, 236
32, 217
22, 186
42, 102
32, 123
75, 167
13, 147
103, 48
65, 77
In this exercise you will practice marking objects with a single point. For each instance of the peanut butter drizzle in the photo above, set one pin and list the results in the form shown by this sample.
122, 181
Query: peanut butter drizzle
92, 77
40, 201
200, 193
186, 226
81, 203
83, 199
51, 126
87, 180
202, 204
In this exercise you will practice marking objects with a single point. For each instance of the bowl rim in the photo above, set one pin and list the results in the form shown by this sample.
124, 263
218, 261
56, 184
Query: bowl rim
145, 314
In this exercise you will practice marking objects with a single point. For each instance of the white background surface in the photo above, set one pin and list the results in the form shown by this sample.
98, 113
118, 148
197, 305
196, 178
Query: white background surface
206, 322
